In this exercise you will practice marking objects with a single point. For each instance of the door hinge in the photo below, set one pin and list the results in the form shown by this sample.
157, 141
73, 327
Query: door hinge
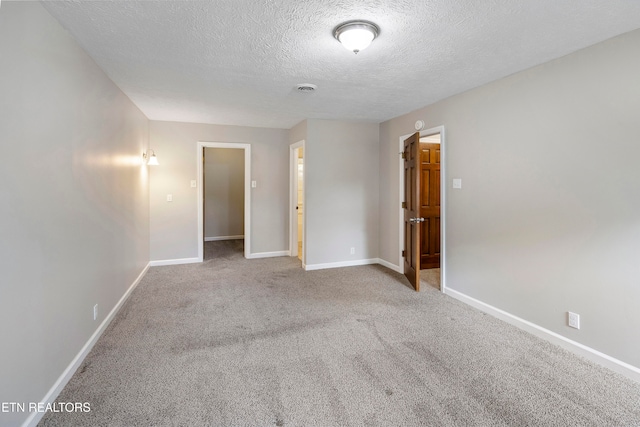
403, 155
403, 255
404, 205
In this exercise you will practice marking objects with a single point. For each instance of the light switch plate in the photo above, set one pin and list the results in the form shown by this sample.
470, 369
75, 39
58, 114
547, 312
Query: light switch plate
254, 184
169, 197
457, 183
193, 183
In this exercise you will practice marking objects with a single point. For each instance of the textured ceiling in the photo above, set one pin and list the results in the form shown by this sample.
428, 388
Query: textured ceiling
237, 61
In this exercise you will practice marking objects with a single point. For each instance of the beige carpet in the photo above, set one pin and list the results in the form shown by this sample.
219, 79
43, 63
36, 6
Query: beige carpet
431, 277
233, 342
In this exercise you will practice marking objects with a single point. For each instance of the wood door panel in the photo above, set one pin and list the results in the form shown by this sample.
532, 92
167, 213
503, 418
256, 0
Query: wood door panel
412, 239
430, 205
436, 184
436, 234
425, 241
425, 194
430, 243
411, 267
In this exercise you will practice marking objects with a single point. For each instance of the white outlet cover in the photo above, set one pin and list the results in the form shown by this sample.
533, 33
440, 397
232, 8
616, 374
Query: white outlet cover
574, 320
169, 197
457, 183
193, 183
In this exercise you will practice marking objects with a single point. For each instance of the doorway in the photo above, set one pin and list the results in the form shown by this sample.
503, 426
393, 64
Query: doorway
431, 207
228, 220
223, 208
297, 206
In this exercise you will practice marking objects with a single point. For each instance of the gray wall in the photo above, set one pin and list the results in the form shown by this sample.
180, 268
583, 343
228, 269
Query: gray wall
74, 227
341, 185
298, 132
223, 192
174, 225
547, 219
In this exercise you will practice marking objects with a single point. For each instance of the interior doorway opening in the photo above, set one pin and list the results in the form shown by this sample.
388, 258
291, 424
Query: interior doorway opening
223, 207
297, 206
224, 197
429, 209
430, 206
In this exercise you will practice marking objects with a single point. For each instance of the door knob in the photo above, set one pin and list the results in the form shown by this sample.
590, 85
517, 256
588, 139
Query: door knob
416, 220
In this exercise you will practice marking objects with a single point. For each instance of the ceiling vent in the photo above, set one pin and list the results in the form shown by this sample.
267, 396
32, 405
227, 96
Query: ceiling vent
306, 87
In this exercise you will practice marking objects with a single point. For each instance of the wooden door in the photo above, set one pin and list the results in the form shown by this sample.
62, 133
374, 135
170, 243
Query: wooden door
430, 205
411, 206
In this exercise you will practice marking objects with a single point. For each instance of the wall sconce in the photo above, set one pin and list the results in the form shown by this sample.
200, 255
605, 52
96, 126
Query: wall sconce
151, 159
356, 35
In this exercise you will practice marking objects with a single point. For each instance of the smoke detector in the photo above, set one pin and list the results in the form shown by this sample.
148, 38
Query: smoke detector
306, 87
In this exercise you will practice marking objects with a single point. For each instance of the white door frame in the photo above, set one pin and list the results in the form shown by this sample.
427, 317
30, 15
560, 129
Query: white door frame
293, 195
443, 204
247, 193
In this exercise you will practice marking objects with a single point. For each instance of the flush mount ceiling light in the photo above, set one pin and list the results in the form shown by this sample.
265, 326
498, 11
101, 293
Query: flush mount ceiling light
356, 35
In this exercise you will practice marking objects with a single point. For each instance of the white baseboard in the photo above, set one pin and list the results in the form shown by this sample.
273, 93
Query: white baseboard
174, 261
268, 254
35, 417
215, 239
589, 353
341, 264
196, 260
390, 266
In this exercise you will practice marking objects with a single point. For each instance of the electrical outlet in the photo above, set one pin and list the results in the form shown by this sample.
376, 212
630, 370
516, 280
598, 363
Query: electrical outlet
573, 320
353, 251
95, 312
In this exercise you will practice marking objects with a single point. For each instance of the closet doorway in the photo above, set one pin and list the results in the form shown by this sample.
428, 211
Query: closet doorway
430, 210
224, 202
297, 206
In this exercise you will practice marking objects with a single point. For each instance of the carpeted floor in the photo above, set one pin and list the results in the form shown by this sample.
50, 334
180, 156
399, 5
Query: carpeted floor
235, 342
431, 277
